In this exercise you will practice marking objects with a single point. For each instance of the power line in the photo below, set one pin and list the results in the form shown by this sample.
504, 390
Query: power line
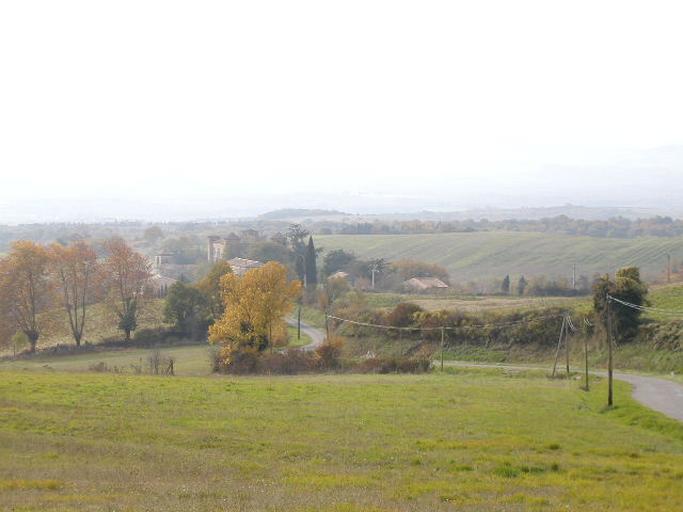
447, 328
646, 309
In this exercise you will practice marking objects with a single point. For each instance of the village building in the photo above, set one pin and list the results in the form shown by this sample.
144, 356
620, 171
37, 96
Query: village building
158, 285
339, 275
222, 248
162, 259
421, 284
241, 266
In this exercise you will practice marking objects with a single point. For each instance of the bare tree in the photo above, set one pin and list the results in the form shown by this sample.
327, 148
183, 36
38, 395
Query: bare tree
75, 270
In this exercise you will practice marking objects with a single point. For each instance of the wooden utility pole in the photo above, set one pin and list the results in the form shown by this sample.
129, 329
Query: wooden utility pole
559, 345
298, 324
585, 352
610, 392
566, 345
443, 337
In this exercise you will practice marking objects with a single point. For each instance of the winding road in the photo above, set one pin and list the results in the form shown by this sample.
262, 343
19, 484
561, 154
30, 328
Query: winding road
317, 335
659, 394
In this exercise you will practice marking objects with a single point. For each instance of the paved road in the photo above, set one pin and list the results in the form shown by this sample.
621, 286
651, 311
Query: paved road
662, 395
317, 335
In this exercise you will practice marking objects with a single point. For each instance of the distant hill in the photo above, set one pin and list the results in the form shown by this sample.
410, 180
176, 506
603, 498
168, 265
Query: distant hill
299, 213
498, 214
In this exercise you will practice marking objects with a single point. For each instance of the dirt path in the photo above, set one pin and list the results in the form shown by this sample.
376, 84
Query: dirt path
317, 335
662, 395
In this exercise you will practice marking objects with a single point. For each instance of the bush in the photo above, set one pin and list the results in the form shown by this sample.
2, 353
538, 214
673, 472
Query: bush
240, 362
329, 353
290, 362
403, 315
396, 364
102, 367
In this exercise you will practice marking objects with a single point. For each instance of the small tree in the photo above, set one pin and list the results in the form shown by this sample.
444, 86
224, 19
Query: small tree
296, 235
311, 266
521, 286
187, 309
127, 273
336, 260
329, 353
210, 286
505, 285
255, 307
76, 271
153, 234
627, 287
403, 315
25, 289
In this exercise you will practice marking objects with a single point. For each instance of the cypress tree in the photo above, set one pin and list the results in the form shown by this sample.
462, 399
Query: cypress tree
311, 267
505, 286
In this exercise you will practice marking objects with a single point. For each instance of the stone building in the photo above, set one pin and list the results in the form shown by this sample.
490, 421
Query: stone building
231, 246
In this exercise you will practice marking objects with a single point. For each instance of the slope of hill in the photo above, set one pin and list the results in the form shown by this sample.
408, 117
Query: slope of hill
482, 255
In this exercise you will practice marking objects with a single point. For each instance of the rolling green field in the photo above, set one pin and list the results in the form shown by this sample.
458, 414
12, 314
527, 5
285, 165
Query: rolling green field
484, 255
190, 360
474, 303
100, 323
466, 440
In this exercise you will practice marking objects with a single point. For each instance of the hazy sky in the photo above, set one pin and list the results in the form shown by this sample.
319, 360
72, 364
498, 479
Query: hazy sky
130, 98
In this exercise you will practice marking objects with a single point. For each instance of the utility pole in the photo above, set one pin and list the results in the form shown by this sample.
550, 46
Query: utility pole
373, 269
298, 324
585, 352
610, 392
559, 344
443, 335
566, 346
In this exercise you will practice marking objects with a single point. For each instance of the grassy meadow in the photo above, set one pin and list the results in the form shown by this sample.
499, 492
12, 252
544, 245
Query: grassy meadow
484, 255
473, 303
464, 440
101, 323
190, 360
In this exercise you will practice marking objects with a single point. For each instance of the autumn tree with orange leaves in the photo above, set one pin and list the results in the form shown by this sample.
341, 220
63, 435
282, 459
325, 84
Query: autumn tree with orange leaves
255, 309
127, 273
76, 273
25, 288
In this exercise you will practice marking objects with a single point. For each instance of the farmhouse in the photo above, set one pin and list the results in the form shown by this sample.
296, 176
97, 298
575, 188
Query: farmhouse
420, 284
241, 266
339, 275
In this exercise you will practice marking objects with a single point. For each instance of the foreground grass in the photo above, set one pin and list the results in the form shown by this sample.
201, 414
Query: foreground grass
473, 440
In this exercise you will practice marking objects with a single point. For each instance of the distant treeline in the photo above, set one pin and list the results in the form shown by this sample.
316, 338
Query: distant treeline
617, 227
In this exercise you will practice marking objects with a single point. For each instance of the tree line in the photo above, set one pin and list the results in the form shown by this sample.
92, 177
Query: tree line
616, 227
